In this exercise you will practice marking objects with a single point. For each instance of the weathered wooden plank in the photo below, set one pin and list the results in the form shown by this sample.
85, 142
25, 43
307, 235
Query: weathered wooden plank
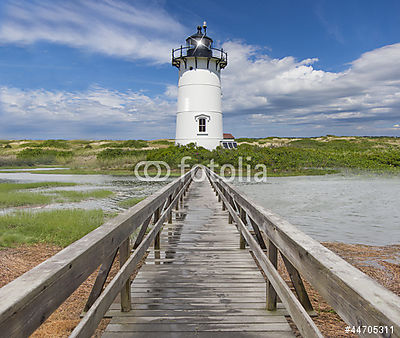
189, 294
199, 319
194, 334
198, 300
211, 311
199, 327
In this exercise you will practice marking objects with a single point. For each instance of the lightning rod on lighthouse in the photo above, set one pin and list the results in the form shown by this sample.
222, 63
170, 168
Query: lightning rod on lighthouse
199, 115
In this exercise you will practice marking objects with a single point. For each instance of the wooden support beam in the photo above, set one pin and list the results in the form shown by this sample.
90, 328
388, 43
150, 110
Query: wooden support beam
100, 281
298, 285
142, 232
258, 234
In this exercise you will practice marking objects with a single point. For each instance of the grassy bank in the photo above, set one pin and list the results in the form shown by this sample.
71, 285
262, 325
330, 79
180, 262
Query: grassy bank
59, 227
282, 156
15, 194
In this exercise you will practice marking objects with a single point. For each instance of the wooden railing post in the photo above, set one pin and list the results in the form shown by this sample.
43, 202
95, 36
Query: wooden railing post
170, 212
271, 293
157, 237
230, 218
124, 252
223, 203
243, 218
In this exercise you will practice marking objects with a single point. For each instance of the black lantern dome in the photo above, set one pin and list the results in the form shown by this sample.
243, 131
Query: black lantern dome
199, 44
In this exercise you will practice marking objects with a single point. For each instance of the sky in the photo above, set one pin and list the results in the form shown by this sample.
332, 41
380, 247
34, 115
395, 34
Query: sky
101, 69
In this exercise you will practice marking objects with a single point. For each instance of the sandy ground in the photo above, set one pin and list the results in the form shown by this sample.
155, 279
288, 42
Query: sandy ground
380, 263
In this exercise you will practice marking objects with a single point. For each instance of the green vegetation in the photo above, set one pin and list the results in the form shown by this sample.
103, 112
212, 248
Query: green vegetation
47, 144
126, 144
282, 156
6, 187
60, 227
295, 156
130, 202
162, 142
77, 196
18, 199
12, 194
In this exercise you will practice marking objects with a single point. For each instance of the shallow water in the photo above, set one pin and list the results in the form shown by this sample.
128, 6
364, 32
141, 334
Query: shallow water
345, 208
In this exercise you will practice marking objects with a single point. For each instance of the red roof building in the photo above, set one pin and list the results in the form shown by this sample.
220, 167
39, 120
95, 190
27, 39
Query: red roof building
228, 136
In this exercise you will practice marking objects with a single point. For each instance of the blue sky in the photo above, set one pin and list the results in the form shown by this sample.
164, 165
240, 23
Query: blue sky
101, 69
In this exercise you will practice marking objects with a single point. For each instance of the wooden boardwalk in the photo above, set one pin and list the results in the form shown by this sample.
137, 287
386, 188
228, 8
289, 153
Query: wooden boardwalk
200, 284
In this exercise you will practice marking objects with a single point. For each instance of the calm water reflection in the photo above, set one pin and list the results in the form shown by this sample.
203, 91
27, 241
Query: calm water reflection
344, 208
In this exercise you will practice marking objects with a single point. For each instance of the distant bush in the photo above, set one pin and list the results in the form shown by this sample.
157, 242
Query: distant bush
163, 142
246, 139
126, 144
7, 146
42, 156
61, 144
55, 144
88, 146
111, 153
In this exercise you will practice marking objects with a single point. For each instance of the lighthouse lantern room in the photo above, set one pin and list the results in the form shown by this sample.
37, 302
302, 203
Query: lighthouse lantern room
199, 115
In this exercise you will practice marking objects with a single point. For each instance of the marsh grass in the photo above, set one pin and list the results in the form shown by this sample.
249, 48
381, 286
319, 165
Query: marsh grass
19, 199
59, 227
130, 202
77, 196
6, 187
12, 196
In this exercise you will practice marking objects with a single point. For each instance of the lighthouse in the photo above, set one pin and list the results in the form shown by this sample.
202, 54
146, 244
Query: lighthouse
199, 115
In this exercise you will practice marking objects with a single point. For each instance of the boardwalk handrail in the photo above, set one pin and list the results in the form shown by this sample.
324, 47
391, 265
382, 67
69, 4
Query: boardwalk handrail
29, 300
358, 299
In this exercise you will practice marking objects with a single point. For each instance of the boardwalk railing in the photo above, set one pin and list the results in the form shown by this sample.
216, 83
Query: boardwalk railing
359, 300
29, 300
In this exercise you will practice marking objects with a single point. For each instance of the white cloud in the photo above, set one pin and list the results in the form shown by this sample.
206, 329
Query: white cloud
116, 28
290, 92
96, 112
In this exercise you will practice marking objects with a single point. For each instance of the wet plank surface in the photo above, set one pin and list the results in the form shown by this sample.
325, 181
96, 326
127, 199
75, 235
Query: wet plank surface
200, 284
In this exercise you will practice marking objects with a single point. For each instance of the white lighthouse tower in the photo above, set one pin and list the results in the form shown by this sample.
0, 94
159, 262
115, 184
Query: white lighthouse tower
199, 115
